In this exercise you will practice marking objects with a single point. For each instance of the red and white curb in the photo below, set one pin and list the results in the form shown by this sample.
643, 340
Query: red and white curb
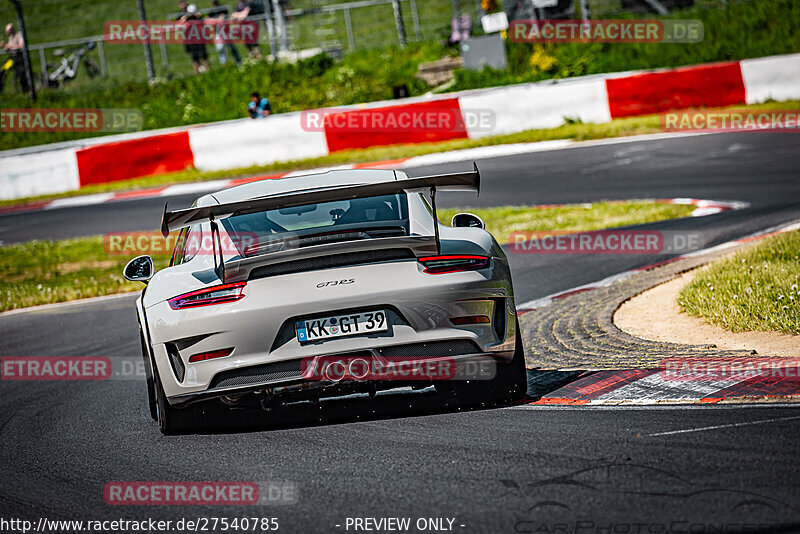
647, 387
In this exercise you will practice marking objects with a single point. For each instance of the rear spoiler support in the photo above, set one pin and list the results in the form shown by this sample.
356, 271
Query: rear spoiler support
435, 221
219, 269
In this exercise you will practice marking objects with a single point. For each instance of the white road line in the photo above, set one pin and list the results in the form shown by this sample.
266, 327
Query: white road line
85, 200
715, 427
199, 187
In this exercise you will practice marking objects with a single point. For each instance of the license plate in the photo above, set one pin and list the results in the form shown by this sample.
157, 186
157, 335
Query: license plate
341, 325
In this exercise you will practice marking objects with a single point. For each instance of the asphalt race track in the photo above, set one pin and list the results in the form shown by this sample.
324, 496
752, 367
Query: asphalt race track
526, 469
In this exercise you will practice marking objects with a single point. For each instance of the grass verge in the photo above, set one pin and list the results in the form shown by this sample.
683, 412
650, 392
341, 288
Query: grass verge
44, 272
575, 131
756, 289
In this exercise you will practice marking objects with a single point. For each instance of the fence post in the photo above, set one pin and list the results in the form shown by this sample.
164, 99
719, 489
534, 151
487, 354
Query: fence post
26, 57
415, 19
584, 9
269, 23
348, 23
280, 22
398, 19
164, 56
148, 54
43, 63
102, 53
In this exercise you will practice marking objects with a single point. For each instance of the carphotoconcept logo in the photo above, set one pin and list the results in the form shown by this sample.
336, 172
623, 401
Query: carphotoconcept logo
70, 120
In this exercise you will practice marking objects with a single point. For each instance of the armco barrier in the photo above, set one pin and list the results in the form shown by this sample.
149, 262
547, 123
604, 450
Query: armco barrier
702, 86
246, 142
341, 136
254, 142
122, 160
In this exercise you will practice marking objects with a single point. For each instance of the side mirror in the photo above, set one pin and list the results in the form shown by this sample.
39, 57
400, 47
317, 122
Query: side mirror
140, 269
467, 220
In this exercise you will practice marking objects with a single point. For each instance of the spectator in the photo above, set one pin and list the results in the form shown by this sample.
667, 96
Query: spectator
218, 15
15, 44
258, 108
244, 10
196, 49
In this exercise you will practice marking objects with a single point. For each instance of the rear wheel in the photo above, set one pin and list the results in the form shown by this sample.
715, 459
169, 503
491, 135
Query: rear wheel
203, 415
148, 369
509, 384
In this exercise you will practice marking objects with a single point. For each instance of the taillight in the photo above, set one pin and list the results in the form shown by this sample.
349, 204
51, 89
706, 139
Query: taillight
453, 264
209, 296
203, 356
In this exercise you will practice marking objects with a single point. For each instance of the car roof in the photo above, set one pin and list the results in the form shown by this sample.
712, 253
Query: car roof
307, 182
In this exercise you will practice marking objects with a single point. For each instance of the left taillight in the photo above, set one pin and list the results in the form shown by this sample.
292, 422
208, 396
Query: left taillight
453, 263
207, 297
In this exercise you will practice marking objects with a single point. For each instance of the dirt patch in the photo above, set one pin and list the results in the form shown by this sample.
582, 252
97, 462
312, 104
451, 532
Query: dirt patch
655, 315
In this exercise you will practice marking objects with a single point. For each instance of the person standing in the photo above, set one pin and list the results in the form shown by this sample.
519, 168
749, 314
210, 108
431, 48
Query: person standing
218, 15
15, 44
195, 46
243, 11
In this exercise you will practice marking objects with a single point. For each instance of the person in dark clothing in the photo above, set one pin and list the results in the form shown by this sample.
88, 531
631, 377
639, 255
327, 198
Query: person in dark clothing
243, 11
195, 48
219, 14
259, 108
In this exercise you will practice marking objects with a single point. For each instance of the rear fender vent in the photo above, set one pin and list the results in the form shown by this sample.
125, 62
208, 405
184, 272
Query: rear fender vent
178, 368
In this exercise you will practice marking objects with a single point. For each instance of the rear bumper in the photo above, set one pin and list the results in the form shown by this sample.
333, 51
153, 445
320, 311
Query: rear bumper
295, 388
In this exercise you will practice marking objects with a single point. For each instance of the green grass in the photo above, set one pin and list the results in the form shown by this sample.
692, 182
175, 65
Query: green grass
756, 289
574, 131
502, 221
742, 30
44, 272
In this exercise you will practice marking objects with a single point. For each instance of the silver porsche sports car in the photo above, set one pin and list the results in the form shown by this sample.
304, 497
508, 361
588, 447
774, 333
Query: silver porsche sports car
292, 290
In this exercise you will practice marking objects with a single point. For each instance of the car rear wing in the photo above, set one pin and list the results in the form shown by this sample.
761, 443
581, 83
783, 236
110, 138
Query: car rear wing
420, 245
461, 181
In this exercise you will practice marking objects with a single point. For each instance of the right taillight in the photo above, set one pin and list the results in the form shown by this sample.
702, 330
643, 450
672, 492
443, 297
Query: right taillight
453, 263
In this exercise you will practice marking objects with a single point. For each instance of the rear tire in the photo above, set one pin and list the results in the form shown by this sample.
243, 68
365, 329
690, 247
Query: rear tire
148, 369
170, 420
509, 384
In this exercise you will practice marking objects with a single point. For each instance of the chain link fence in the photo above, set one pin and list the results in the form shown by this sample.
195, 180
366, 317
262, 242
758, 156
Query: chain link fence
67, 47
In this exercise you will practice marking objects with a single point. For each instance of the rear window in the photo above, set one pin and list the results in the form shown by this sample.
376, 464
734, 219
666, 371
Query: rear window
314, 224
